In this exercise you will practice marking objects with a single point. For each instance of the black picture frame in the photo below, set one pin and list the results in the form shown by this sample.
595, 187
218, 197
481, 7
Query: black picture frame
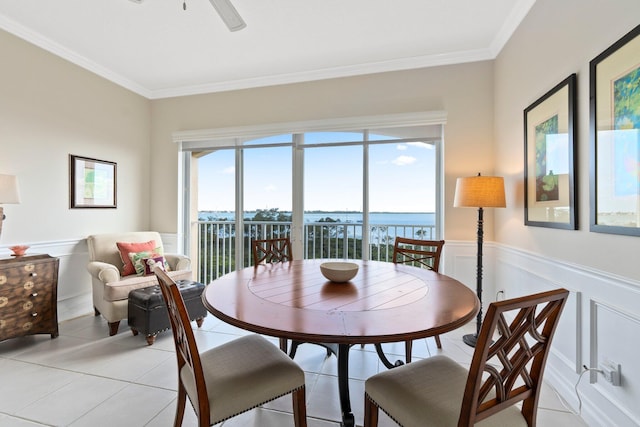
614, 128
92, 183
550, 158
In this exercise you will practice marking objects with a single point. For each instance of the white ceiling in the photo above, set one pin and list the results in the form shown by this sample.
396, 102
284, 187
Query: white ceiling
159, 50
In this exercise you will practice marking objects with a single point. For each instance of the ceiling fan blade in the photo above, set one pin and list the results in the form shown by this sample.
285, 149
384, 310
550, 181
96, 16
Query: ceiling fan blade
229, 14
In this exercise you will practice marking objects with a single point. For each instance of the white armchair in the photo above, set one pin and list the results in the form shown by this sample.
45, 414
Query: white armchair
110, 288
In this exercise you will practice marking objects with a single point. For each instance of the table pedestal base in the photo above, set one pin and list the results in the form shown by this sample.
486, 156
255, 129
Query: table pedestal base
331, 348
348, 419
385, 361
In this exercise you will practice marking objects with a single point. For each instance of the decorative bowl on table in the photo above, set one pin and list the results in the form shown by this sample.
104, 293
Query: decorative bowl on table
18, 250
339, 272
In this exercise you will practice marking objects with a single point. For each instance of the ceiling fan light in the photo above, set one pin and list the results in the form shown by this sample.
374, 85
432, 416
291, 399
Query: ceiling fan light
229, 14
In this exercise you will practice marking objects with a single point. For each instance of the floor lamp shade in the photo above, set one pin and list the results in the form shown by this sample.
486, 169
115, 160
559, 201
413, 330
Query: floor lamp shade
479, 192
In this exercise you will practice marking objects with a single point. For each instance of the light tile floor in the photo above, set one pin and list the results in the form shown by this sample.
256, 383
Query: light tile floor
86, 378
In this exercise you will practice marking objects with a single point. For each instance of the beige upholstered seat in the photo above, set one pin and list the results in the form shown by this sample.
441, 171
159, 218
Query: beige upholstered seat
438, 392
233, 377
110, 288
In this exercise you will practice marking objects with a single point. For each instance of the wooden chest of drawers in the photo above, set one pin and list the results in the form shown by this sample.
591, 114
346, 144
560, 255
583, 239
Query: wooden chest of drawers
28, 296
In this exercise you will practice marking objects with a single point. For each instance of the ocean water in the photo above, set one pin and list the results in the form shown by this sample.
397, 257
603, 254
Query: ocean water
395, 218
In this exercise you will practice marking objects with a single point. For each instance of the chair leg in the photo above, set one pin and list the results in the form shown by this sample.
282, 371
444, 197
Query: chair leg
284, 345
181, 401
113, 328
408, 347
96, 312
299, 407
370, 413
438, 343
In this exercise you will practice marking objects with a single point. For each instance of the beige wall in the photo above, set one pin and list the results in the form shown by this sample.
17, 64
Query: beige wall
464, 91
49, 109
555, 40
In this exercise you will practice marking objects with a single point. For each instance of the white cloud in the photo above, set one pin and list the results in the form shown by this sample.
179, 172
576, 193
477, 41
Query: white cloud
401, 147
421, 145
229, 170
403, 160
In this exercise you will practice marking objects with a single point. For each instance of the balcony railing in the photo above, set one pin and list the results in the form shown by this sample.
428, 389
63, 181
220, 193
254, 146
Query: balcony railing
333, 240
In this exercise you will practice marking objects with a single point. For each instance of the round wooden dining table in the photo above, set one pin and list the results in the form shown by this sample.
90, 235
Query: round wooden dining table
383, 303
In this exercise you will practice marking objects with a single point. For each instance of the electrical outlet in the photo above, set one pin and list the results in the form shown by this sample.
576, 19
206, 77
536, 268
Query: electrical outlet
612, 372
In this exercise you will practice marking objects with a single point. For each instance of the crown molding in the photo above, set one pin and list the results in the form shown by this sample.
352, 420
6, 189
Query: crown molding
57, 49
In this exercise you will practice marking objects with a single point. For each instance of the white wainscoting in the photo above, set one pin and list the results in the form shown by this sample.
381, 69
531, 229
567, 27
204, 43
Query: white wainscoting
601, 319
74, 281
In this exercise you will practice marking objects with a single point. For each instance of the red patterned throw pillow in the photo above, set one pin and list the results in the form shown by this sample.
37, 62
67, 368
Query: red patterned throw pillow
127, 248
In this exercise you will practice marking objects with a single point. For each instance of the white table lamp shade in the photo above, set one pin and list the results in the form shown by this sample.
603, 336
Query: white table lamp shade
9, 192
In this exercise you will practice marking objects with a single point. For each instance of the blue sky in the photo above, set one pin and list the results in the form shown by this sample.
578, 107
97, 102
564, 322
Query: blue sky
402, 178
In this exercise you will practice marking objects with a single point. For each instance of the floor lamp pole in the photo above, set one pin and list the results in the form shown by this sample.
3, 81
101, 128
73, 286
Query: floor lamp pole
471, 339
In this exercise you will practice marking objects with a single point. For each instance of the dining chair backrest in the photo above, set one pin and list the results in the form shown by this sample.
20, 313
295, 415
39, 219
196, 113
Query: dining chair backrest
509, 369
271, 250
419, 253
186, 348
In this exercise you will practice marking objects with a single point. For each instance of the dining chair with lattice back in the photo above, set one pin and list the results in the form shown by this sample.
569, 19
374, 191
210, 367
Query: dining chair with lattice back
268, 251
271, 250
419, 253
232, 378
506, 368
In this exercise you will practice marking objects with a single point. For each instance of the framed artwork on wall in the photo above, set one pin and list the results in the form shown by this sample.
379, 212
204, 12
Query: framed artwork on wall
92, 183
549, 158
614, 127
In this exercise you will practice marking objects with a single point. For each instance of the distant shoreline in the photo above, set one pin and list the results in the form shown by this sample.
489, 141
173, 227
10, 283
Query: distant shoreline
332, 212
396, 218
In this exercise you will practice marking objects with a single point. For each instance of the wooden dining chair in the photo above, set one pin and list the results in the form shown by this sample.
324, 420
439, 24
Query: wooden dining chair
232, 378
418, 253
267, 251
439, 392
271, 250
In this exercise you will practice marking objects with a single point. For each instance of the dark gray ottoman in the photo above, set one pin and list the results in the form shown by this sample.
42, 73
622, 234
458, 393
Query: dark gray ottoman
148, 312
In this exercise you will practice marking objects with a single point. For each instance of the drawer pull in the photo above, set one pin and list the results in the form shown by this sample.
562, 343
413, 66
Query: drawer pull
34, 274
35, 294
34, 314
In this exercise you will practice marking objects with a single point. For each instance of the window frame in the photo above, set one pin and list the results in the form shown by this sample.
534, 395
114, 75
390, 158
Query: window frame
238, 138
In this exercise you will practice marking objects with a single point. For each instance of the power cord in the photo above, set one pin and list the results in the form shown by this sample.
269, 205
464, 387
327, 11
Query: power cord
564, 402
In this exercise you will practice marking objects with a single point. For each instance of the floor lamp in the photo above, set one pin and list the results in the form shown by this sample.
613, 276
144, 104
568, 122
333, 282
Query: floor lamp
479, 192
